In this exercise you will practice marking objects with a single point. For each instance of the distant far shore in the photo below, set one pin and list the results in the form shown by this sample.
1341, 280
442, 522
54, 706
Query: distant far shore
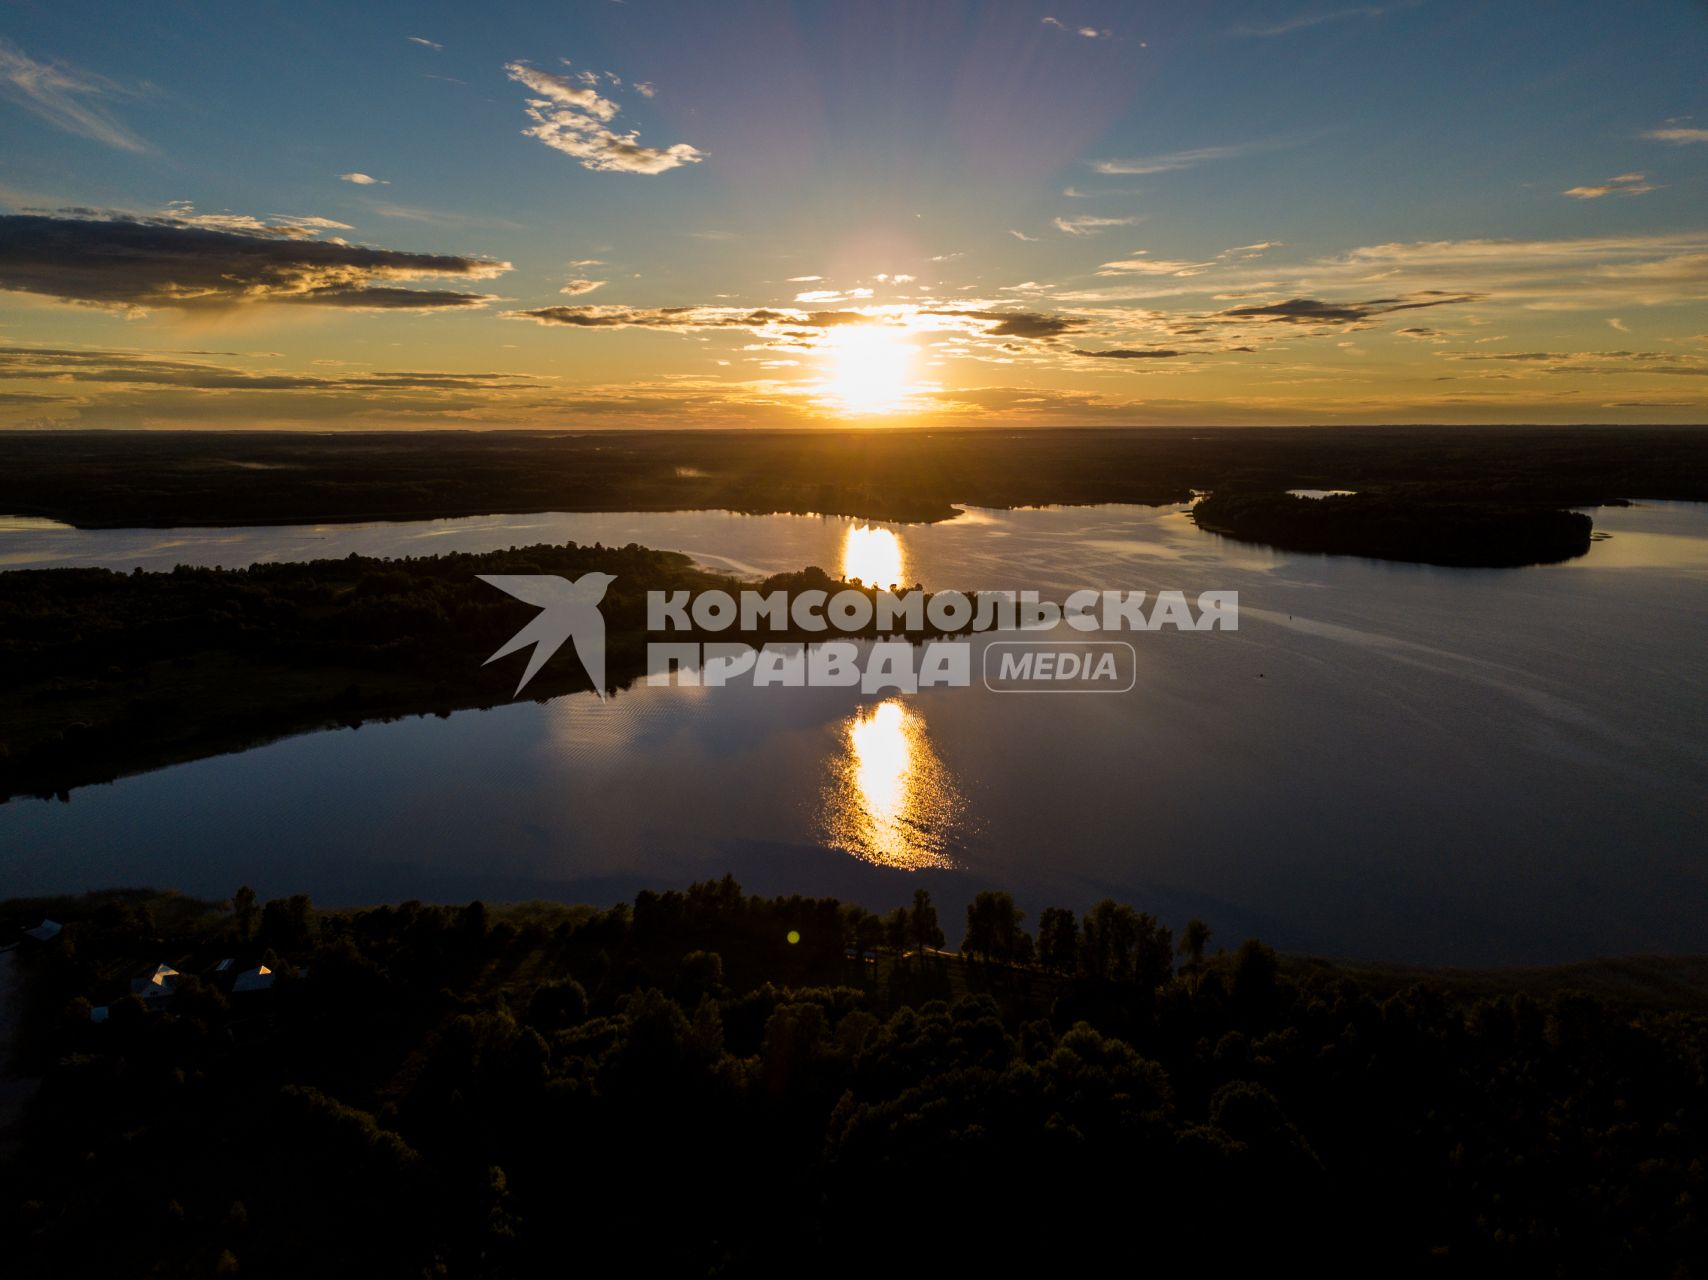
112, 479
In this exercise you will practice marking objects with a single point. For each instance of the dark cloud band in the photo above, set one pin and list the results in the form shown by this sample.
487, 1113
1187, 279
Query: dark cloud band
165, 262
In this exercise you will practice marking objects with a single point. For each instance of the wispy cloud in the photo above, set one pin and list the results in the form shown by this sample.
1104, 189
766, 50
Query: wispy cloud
1321, 17
1015, 324
65, 97
1678, 135
143, 369
363, 180
832, 295
1315, 311
575, 288
1089, 224
1131, 353
686, 319
1088, 33
571, 116
423, 40
1171, 161
1626, 184
1148, 266
1020, 235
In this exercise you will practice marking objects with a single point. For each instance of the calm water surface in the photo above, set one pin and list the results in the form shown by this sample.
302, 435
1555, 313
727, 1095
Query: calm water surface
1385, 760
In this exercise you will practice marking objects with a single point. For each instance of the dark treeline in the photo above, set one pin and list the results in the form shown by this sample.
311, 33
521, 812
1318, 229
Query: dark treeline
119, 479
709, 1083
108, 673
1426, 529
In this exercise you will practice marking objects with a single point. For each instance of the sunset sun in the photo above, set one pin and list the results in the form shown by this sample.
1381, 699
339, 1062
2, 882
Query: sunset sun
866, 370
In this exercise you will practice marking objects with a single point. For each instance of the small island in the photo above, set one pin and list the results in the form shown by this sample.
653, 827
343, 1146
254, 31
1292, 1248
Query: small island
1428, 528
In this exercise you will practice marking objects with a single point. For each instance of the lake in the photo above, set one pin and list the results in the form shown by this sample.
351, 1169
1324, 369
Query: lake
1386, 761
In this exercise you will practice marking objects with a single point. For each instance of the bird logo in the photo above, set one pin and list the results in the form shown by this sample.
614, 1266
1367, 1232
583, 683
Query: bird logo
568, 611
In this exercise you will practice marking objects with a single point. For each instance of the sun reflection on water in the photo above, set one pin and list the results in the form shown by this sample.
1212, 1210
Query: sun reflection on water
890, 800
873, 555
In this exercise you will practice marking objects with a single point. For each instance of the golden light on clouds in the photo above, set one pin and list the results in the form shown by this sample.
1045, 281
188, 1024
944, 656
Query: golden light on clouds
891, 801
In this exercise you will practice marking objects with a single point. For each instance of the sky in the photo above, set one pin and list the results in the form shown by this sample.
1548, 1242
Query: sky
640, 214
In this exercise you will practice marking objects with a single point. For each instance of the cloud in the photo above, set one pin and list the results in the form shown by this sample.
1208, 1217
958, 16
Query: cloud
1607, 273
572, 117
439, 217
1131, 353
1244, 251
1020, 235
180, 213
800, 329
431, 44
1153, 267
1677, 136
363, 180
577, 287
645, 89
1087, 224
1016, 324
1313, 311
1304, 21
832, 295
1089, 33
214, 261
65, 97
1171, 161
141, 369
1626, 184
1533, 364
685, 319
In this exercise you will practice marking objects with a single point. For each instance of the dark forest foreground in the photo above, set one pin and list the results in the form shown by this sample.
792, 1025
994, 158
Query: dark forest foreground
712, 1084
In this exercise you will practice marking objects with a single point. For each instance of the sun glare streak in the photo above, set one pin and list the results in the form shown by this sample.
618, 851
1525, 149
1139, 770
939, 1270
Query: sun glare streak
866, 370
891, 801
874, 556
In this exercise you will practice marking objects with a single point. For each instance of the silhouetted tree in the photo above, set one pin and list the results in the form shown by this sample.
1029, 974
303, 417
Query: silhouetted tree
923, 929
1107, 941
1058, 939
245, 913
993, 928
1153, 952
898, 928
1193, 939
